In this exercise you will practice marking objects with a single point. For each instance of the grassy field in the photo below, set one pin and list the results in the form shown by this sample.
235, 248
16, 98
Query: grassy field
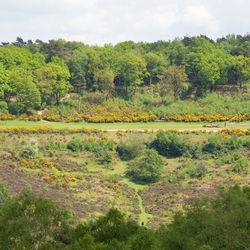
120, 126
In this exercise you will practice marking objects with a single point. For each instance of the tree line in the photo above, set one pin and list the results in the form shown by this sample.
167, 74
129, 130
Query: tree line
36, 74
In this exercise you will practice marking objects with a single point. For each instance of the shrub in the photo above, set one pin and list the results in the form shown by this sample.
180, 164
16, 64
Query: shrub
171, 178
215, 144
54, 146
131, 148
3, 107
233, 142
30, 150
200, 171
147, 168
106, 157
168, 144
235, 157
196, 150
230, 159
241, 166
15, 108
100, 148
246, 143
4, 193
75, 145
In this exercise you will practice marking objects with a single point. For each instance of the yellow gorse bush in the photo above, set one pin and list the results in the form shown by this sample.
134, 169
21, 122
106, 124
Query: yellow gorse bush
48, 130
58, 180
25, 117
119, 133
97, 114
235, 131
7, 117
207, 118
103, 114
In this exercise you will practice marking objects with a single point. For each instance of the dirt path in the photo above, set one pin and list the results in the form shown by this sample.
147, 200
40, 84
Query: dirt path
157, 129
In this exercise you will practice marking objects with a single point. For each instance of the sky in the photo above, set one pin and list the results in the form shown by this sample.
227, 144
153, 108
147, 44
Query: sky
98, 22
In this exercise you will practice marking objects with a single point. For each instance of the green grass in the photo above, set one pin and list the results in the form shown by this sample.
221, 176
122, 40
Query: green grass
118, 126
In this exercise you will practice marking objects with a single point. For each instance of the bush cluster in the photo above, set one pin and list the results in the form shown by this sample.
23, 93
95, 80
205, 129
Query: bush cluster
147, 168
168, 144
241, 166
131, 147
102, 149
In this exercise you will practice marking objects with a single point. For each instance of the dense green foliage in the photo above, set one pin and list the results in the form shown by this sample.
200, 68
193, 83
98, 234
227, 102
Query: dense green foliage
147, 168
173, 145
224, 226
30, 222
27, 221
168, 144
33, 75
131, 147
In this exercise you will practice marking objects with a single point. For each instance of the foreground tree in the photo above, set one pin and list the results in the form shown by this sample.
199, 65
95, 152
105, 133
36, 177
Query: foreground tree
221, 223
30, 222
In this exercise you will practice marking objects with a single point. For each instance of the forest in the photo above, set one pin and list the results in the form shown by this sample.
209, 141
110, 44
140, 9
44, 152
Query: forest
151, 76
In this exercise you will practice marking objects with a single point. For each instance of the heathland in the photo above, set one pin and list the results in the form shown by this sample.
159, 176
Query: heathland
132, 146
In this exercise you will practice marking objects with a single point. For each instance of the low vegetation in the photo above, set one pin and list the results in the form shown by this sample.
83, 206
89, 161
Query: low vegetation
28, 221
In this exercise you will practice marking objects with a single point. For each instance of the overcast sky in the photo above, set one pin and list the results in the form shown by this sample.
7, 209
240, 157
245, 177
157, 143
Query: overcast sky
113, 21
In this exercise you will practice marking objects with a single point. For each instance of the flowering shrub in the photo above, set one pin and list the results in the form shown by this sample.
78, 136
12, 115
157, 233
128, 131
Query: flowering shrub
25, 117
38, 164
206, 118
102, 114
48, 130
235, 131
58, 181
53, 115
7, 117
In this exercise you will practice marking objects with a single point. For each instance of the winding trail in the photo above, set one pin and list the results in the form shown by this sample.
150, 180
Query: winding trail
143, 216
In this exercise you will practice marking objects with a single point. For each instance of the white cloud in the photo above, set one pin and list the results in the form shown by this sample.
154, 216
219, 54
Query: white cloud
199, 15
160, 18
89, 22
99, 21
